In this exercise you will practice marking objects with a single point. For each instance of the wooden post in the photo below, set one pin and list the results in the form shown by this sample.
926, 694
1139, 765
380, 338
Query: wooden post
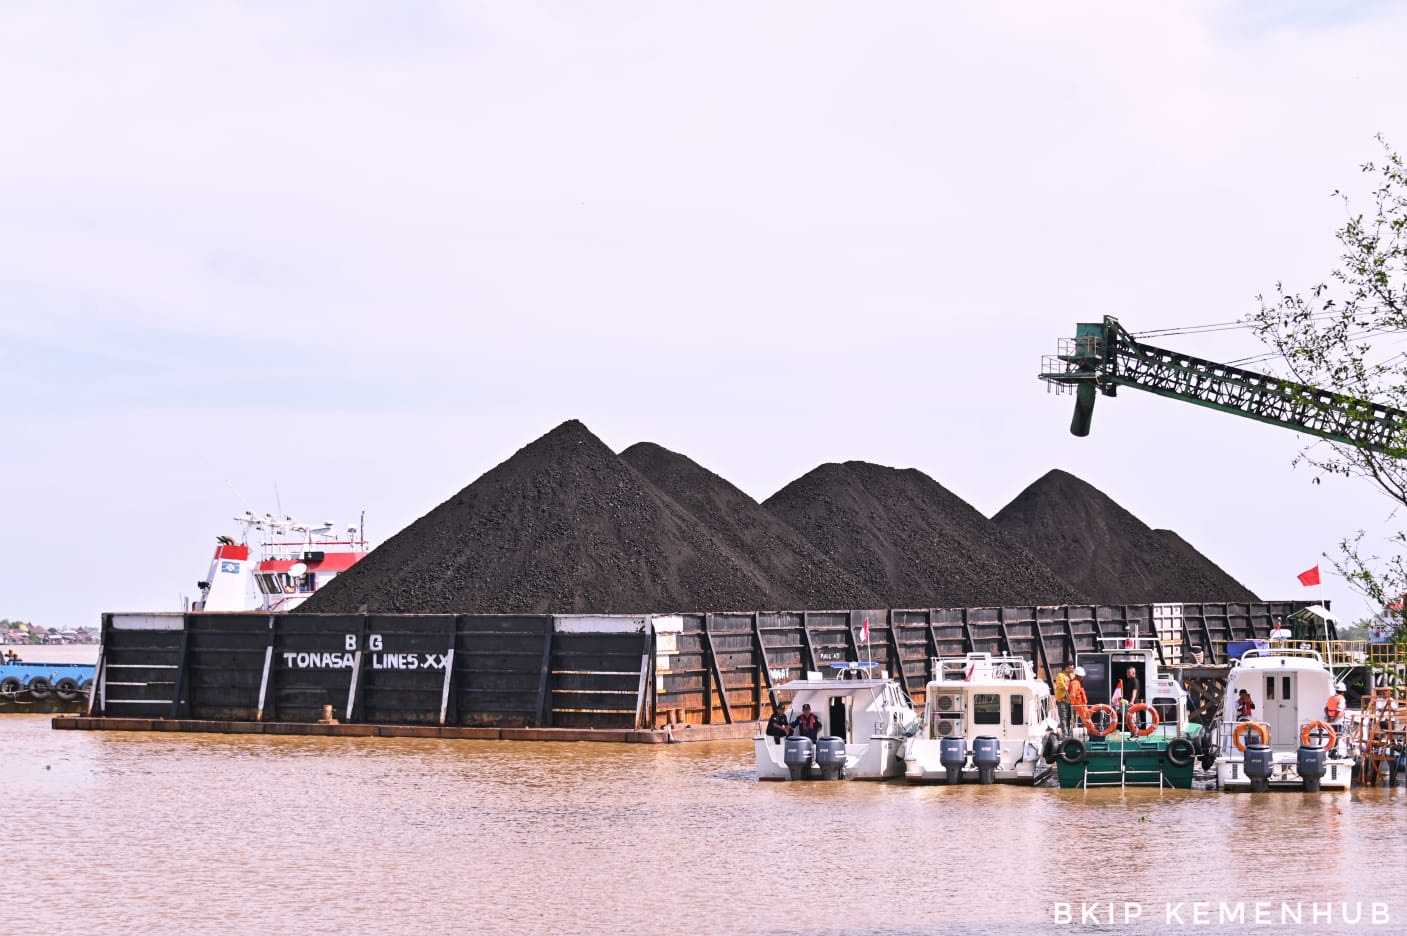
1040, 646
1001, 630
181, 687
898, 656
93, 690
810, 648
717, 672
447, 690
930, 647
267, 698
644, 676
544, 676
764, 664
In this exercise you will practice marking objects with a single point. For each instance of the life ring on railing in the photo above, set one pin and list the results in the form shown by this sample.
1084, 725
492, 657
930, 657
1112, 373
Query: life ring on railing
1131, 723
1308, 729
1111, 724
1238, 734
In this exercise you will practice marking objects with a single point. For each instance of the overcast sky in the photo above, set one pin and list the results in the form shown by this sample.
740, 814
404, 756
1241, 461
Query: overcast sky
364, 252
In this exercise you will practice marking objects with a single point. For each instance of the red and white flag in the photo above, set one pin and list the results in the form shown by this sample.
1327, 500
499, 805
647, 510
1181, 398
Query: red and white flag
865, 631
1309, 577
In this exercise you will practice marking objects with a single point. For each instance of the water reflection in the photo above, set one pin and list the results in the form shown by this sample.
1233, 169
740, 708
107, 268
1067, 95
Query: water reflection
181, 833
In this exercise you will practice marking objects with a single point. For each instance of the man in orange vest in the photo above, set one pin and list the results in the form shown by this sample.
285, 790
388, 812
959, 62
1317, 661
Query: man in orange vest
1079, 701
1335, 707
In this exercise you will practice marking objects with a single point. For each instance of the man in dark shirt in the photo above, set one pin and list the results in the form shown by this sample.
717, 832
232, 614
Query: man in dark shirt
777, 727
1129, 685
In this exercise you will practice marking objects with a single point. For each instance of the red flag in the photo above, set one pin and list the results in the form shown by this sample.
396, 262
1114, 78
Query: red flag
1309, 577
865, 631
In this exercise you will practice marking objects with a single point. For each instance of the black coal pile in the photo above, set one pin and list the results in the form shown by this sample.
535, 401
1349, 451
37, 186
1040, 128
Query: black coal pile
797, 574
1106, 553
911, 541
563, 525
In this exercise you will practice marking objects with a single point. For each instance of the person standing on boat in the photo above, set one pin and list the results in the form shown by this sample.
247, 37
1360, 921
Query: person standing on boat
1127, 689
1079, 701
1062, 695
1245, 708
807, 724
777, 726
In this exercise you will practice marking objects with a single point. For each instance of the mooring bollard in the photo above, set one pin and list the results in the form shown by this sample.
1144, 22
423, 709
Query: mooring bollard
327, 718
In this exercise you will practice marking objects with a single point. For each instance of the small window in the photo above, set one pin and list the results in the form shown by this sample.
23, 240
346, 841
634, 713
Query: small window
1269, 688
986, 708
1018, 709
1286, 686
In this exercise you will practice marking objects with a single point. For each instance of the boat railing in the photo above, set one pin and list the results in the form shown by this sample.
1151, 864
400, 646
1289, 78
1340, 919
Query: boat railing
1291, 648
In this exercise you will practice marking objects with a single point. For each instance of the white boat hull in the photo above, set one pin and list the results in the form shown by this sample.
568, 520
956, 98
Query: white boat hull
878, 759
1231, 776
1018, 765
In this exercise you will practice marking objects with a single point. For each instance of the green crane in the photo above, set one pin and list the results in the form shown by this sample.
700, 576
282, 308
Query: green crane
1103, 356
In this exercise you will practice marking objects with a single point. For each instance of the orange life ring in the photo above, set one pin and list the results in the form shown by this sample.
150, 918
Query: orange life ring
1316, 723
1089, 720
1238, 734
1131, 723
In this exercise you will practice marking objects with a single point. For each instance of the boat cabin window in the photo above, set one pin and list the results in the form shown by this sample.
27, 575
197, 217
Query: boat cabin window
1166, 709
1018, 709
1286, 686
1270, 687
986, 708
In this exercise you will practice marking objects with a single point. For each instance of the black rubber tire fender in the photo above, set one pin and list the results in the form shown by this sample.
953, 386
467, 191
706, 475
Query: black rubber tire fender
1181, 751
66, 688
1050, 749
1073, 751
39, 687
10, 685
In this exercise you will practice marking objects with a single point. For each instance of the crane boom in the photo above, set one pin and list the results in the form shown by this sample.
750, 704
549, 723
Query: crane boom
1103, 357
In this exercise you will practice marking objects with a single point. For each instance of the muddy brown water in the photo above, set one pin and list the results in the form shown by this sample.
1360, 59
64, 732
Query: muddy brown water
152, 833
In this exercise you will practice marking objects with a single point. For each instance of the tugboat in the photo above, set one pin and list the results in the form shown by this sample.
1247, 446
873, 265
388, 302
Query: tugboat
51, 684
1285, 743
1149, 741
290, 561
986, 719
865, 718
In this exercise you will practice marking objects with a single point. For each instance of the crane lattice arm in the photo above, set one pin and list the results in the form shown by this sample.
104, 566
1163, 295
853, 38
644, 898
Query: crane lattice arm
1103, 357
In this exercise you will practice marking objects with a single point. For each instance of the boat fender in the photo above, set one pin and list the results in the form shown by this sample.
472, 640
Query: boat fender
1180, 752
1131, 720
1050, 749
1073, 751
10, 685
39, 687
85, 686
66, 689
1110, 723
1323, 728
1238, 734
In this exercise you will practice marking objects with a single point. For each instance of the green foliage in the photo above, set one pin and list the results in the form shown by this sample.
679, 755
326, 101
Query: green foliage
1334, 335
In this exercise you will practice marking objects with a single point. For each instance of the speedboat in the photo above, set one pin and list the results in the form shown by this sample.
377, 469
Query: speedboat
1118, 741
986, 719
1286, 743
865, 718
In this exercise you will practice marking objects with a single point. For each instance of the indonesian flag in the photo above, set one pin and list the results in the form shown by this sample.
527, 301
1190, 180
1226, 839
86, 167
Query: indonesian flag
1309, 577
865, 631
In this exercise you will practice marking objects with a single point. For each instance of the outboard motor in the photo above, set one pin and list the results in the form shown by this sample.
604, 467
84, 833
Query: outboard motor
986, 757
830, 757
952, 754
796, 754
1311, 763
1258, 765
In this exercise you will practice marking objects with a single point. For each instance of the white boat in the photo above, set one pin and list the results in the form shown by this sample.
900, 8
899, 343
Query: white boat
285, 565
859, 705
1289, 687
982, 696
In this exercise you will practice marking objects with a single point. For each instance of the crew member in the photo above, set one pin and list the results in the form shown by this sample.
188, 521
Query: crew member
1062, 695
1278, 630
777, 726
1079, 701
1127, 689
1245, 708
1335, 706
807, 724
